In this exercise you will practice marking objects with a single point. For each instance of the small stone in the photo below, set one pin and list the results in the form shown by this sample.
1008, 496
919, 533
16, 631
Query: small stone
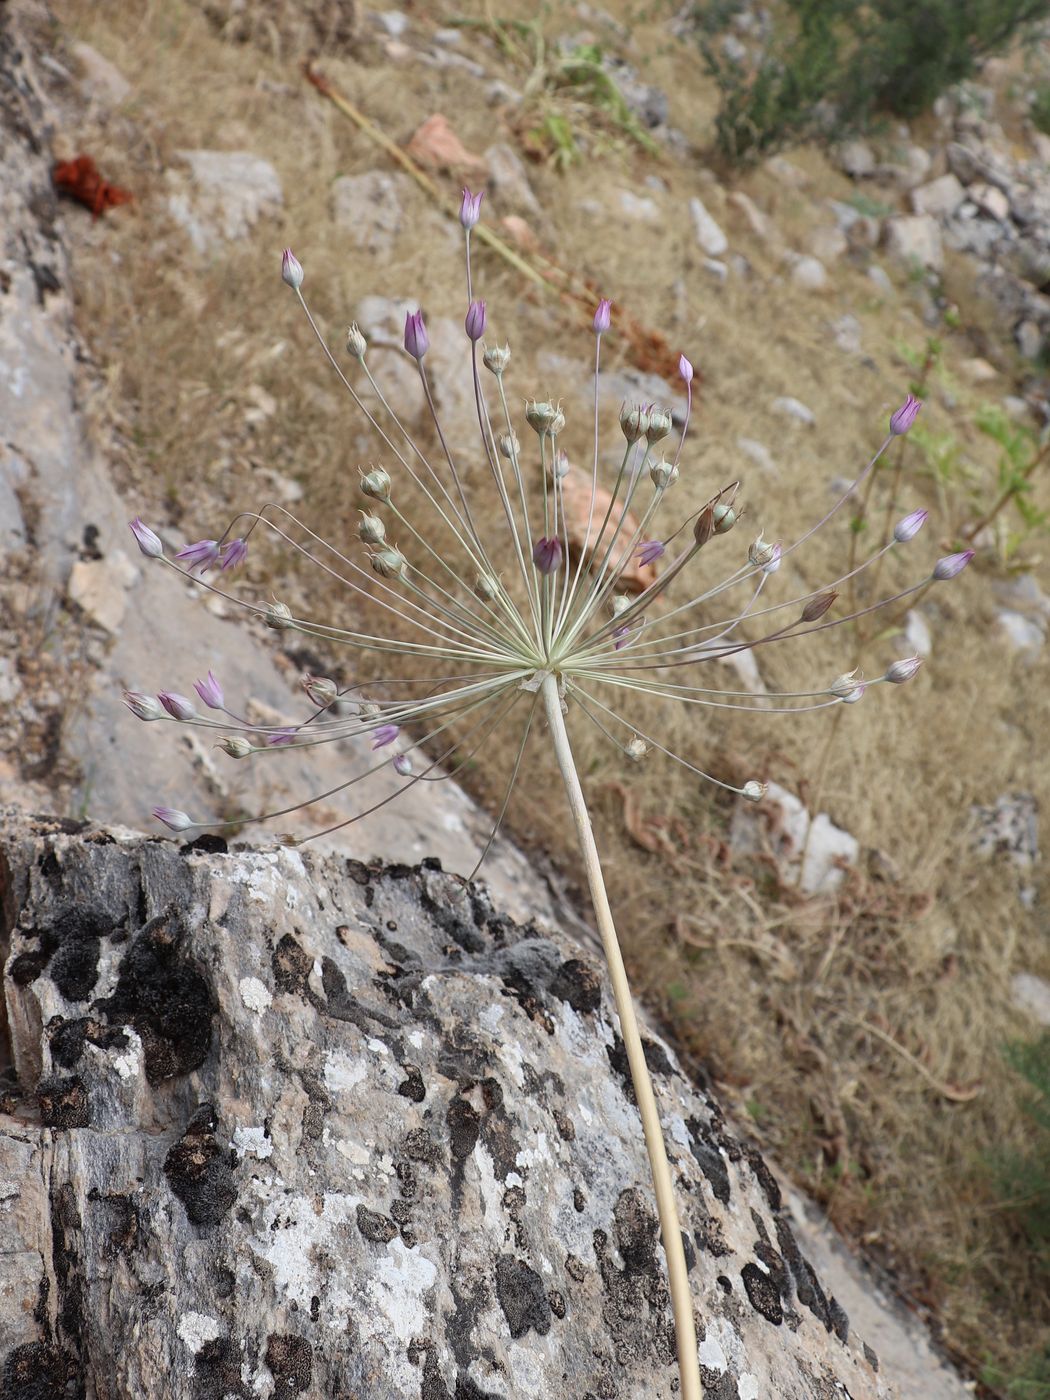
758, 452
940, 198
913, 167
223, 197
962, 162
718, 270
757, 222
828, 244
990, 201
100, 80
1029, 339
98, 587
640, 208
809, 274
793, 408
1031, 994
435, 145
520, 232
392, 22
368, 209
856, 159
882, 280
915, 239
1020, 632
508, 183
708, 234
786, 174
846, 330
978, 371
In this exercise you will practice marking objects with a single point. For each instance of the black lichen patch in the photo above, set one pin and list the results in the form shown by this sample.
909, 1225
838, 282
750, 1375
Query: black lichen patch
200, 1171
870, 1357
636, 1306
718, 1385
380, 1229
207, 843
164, 995
290, 1359
63, 1102
522, 1297
765, 1178
291, 966
412, 1086
637, 1229
217, 1371
27, 967
709, 1160
36, 1371
464, 1125
655, 1058
807, 1286
762, 1293
68, 1039
579, 984
124, 1216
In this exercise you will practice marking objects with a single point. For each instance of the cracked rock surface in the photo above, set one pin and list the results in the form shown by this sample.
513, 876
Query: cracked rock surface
288, 1124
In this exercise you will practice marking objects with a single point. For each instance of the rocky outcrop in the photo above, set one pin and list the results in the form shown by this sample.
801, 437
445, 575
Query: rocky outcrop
289, 1124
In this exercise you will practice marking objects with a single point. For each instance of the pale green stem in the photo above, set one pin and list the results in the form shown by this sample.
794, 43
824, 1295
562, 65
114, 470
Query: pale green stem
681, 1301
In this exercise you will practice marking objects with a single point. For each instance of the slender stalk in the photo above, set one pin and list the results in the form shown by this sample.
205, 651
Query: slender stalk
681, 1300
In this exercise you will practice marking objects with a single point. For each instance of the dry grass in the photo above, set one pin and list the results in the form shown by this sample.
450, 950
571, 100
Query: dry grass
862, 1032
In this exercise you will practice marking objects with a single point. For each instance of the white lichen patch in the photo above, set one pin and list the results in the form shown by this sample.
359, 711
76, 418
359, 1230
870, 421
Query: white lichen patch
491, 1017
353, 1152
679, 1132
377, 1047
128, 1064
252, 1142
197, 1328
529, 1381
398, 1290
747, 1387
255, 995
343, 1072
711, 1353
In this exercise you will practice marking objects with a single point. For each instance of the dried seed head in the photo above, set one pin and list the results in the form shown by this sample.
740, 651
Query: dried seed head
753, 790
634, 421
844, 686
321, 690
279, 617
236, 745
356, 343
761, 554
544, 417
389, 562
620, 603
636, 749
371, 530
663, 474
659, 424
560, 466
704, 525
376, 483
496, 358
509, 445
486, 588
900, 671
724, 518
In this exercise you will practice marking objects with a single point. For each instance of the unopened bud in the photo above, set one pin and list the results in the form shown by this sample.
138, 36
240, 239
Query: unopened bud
909, 527
321, 690
601, 316
560, 466
279, 617
854, 695
146, 540
753, 790
371, 530
905, 416
470, 209
636, 749
900, 671
818, 606
172, 817
546, 555
402, 765
291, 269
951, 565
496, 358
663, 474
144, 706
356, 343
685, 369
236, 746
177, 705
659, 424
474, 325
389, 562
417, 342
376, 483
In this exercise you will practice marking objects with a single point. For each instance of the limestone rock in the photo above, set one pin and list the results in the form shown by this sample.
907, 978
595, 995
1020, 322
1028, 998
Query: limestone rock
856, 158
369, 209
223, 196
782, 825
941, 197
292, 1124
99, 588
508, 183
435, 145
915, 239
101, 80
708, 234
810, 274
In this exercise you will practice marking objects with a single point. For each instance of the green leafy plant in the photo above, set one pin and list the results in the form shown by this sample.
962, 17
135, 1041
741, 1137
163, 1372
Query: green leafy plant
1039, 110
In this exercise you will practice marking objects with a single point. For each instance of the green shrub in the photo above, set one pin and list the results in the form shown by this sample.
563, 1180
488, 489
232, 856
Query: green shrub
831, 67
1040, 108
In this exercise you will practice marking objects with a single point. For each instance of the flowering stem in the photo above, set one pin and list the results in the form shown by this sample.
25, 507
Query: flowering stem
681, 1301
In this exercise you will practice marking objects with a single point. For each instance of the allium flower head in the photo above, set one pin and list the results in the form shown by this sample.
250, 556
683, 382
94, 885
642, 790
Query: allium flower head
475, 320
417, 342
602, 317
905, 416
470, 209
146, 540
210, 691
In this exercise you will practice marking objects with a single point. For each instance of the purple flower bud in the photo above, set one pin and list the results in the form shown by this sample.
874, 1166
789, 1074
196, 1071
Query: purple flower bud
402, 764
177, 705
905, 416
602, 318
279, 737
417, 342
546, 554
901, 671
909, 527
621, 636
649, 551
146, 540
200, 555
234, 552
142, 705
210, 691
475, 322
818, 606
470, 209
385, 734
685, 369
291, 269
951, 565
171, 816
